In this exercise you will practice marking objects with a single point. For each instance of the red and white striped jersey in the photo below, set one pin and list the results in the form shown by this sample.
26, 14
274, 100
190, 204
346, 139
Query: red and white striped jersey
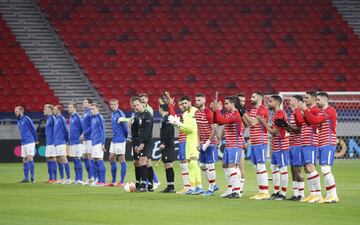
280, 141
182, 137
233, 124
204, 120
326, 121
309, 135
241, 136
294, 138
258, 133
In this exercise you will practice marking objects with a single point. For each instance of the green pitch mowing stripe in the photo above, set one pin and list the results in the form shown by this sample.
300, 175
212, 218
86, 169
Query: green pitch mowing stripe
42, 203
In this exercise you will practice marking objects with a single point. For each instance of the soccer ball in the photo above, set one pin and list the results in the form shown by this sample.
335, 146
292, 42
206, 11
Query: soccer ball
129, 187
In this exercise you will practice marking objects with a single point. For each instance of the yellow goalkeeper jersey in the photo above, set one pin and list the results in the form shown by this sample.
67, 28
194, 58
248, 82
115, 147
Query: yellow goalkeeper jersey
190, 128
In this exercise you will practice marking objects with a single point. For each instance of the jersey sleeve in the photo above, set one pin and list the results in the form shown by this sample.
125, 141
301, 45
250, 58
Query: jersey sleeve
220, 119
209, 116
264, 113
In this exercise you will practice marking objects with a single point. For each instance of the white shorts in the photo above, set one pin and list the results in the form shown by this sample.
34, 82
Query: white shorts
50, 151
118, 148
88, 147
97, 152
76, 150
28, 150
60, 150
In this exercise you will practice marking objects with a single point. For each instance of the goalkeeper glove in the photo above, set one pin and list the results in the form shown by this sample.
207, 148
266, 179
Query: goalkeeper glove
281, 123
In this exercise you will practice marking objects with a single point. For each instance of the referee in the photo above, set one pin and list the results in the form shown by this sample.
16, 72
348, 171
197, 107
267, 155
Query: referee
143, 143
167, 148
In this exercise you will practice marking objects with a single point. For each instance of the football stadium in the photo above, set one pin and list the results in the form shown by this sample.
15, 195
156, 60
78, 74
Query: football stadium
179, 112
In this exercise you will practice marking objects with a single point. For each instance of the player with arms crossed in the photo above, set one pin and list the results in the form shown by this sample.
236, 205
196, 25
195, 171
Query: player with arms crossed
259, 143
61, 138
294, 129
280, 147
28, 139
50, 152
327, 142
76, 147
86, 137
98, 144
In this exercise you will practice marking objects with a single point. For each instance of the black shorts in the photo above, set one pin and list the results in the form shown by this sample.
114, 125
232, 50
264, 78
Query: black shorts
146, 152
168, 155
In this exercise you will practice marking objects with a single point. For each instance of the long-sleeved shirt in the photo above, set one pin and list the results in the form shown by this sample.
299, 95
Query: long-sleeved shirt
144, 123
309, 135
27, 130
49, 129
233, 125
97, 130
87, 125
119, 130
61, 134
167, 133
190, 128
326, 120
75, 129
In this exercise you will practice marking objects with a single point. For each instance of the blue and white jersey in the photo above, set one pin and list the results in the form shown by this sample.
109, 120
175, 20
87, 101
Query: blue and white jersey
86, 125
61, 134
119, 130
49, 129
75, 129
97, 130
27, 130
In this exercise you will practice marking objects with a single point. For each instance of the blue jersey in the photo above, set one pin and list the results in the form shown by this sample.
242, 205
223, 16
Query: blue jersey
61, 134
119, 130
49, 129
97, 130
87, 125
27, 130
75, 129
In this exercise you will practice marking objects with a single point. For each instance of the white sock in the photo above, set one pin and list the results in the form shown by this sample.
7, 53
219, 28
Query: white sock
295, 188
284, 180
314, 183
276, 178
264, 179
301, 187
234, 180
185, 174
227, 177
329, 181
211, 175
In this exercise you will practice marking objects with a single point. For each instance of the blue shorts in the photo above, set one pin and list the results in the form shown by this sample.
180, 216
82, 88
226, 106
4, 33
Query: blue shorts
309, 154
231, 156
295, 156
210, 155
327, 155
182, 153
280, 158
258, 153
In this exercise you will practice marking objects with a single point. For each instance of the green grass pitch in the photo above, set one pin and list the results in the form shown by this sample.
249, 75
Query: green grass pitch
42, 203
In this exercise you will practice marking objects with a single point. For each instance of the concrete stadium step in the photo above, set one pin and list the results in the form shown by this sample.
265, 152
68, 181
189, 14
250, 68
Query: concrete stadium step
350, 10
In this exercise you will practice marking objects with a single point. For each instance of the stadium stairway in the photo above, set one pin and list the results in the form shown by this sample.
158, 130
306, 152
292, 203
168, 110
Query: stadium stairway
350, 10
48, 53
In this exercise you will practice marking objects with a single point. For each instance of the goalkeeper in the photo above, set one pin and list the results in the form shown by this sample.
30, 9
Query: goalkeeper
280, 147
189, 127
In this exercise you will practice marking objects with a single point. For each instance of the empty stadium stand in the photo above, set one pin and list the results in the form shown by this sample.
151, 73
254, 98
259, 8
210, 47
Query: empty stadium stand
126, 47
20, 82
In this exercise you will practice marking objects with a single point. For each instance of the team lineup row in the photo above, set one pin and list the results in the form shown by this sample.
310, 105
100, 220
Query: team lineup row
309, 134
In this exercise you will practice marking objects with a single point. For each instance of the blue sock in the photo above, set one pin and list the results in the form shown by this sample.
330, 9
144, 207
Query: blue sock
54, 169
75, 169
67, 170
80, 169
87, 167
61, 170
94, 169
155, 180
49, 170
26, 170
113, 171
32, 169
123, 172
102, 171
